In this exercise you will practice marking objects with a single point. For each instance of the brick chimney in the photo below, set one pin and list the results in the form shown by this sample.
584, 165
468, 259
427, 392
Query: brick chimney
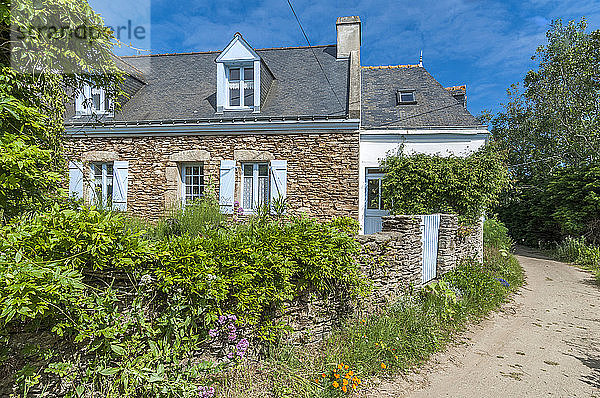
348, 36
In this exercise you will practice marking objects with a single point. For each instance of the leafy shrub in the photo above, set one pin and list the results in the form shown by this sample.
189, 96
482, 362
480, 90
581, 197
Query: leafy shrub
256, 267
495, 235
426, 184
85, 238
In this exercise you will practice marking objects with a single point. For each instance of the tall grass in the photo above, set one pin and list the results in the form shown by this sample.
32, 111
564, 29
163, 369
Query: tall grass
577, 251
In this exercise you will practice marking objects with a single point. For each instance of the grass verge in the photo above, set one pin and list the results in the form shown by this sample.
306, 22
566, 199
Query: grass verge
401, 337
576, 251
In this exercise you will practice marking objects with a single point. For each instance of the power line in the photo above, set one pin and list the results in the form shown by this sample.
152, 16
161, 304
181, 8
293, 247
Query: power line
315, 55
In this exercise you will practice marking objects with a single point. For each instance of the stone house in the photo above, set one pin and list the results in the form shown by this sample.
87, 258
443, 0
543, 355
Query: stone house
308, 124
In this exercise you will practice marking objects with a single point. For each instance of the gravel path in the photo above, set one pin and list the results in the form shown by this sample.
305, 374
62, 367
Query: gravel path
545, 343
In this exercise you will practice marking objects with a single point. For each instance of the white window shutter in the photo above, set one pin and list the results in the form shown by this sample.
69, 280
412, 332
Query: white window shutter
227, 186
120, 182
76, 180
278, 179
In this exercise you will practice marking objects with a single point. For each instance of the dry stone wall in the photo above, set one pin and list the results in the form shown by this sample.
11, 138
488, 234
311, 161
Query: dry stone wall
392, 261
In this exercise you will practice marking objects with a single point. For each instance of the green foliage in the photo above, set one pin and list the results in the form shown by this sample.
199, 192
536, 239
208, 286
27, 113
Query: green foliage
495, 235
577, 251
425, 184
84, 238
566, 203
257, 266
551, 132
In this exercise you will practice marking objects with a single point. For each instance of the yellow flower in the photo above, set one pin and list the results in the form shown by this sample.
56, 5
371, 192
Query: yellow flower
335, 384
340, 366
344, 389
316, 380
396, 357
345, 382
358, 381
383, 365
346, 367
337, 376
354, 386
324, 375
351, 373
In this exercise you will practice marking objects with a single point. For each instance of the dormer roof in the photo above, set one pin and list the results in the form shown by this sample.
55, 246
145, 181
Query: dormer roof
238, 49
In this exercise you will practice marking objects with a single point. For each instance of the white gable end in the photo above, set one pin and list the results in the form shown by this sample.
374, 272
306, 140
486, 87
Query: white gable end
238, 50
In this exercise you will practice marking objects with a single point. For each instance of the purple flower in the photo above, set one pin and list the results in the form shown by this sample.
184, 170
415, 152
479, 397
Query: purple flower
231, 327
232, 336
242, 347
206, 392
230, 355
213, 333
232, 317
222, 319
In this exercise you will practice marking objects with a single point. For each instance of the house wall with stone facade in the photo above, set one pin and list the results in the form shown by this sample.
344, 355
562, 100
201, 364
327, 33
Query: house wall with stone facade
321, 172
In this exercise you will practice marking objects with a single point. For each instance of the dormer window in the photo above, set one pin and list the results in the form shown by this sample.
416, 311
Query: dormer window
405, 97
241, 87
92, 101
238, 77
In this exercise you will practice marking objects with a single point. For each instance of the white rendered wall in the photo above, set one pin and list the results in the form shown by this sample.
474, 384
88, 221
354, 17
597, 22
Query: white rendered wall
376, 144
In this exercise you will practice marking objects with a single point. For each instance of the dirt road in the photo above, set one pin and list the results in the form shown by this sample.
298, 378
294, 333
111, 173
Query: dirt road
545, 343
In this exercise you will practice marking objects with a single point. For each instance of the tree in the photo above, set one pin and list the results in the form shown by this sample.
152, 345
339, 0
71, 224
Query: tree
551, 130
44, 64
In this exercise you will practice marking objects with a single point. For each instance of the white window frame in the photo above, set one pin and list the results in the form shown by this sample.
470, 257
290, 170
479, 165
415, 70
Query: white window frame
183, 179
242, 83
255, 186
104, 187
84, 102
406, 91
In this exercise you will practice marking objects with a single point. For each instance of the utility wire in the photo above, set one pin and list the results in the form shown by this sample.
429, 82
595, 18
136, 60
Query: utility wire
315, 55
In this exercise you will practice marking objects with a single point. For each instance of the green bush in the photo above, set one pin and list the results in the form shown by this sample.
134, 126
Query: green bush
84, 238
255, 267
426, 184
495, 235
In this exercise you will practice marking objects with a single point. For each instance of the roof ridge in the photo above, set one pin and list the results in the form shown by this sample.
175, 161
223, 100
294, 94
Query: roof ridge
218, 51
392, 66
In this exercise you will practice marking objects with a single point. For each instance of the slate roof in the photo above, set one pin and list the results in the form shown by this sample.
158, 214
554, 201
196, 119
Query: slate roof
183, 86
435, 106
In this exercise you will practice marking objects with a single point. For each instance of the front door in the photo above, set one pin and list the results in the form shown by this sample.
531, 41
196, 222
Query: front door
374, 201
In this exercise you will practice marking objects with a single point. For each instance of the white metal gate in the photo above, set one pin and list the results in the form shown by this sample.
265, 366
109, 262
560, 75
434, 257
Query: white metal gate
431, 226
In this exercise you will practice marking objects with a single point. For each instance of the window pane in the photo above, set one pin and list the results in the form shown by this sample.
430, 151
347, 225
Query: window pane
407, 97
109, 169
234, 74
263, 170
106, 103
96, 101
97, 169
248, 74
248, 190
248, 168
373, 194
263, 191
249, 97
234, 96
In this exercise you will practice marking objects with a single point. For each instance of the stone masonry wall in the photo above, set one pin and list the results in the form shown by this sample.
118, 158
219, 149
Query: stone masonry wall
321, 178
392, 261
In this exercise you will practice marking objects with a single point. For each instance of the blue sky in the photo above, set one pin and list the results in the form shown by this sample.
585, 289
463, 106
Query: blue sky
485, 44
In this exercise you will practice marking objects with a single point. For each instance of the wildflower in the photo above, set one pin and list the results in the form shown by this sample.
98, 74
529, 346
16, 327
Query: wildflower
232, 336
351, 373
335, 384
344, 388
230, 355
345, 382
383, 366
242, 347
503, 282
337, 376
341, 365
324, 375
232, 317
346, 367
213, 333
206, 392
354, 386
317, 381
222, 319
396, 356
